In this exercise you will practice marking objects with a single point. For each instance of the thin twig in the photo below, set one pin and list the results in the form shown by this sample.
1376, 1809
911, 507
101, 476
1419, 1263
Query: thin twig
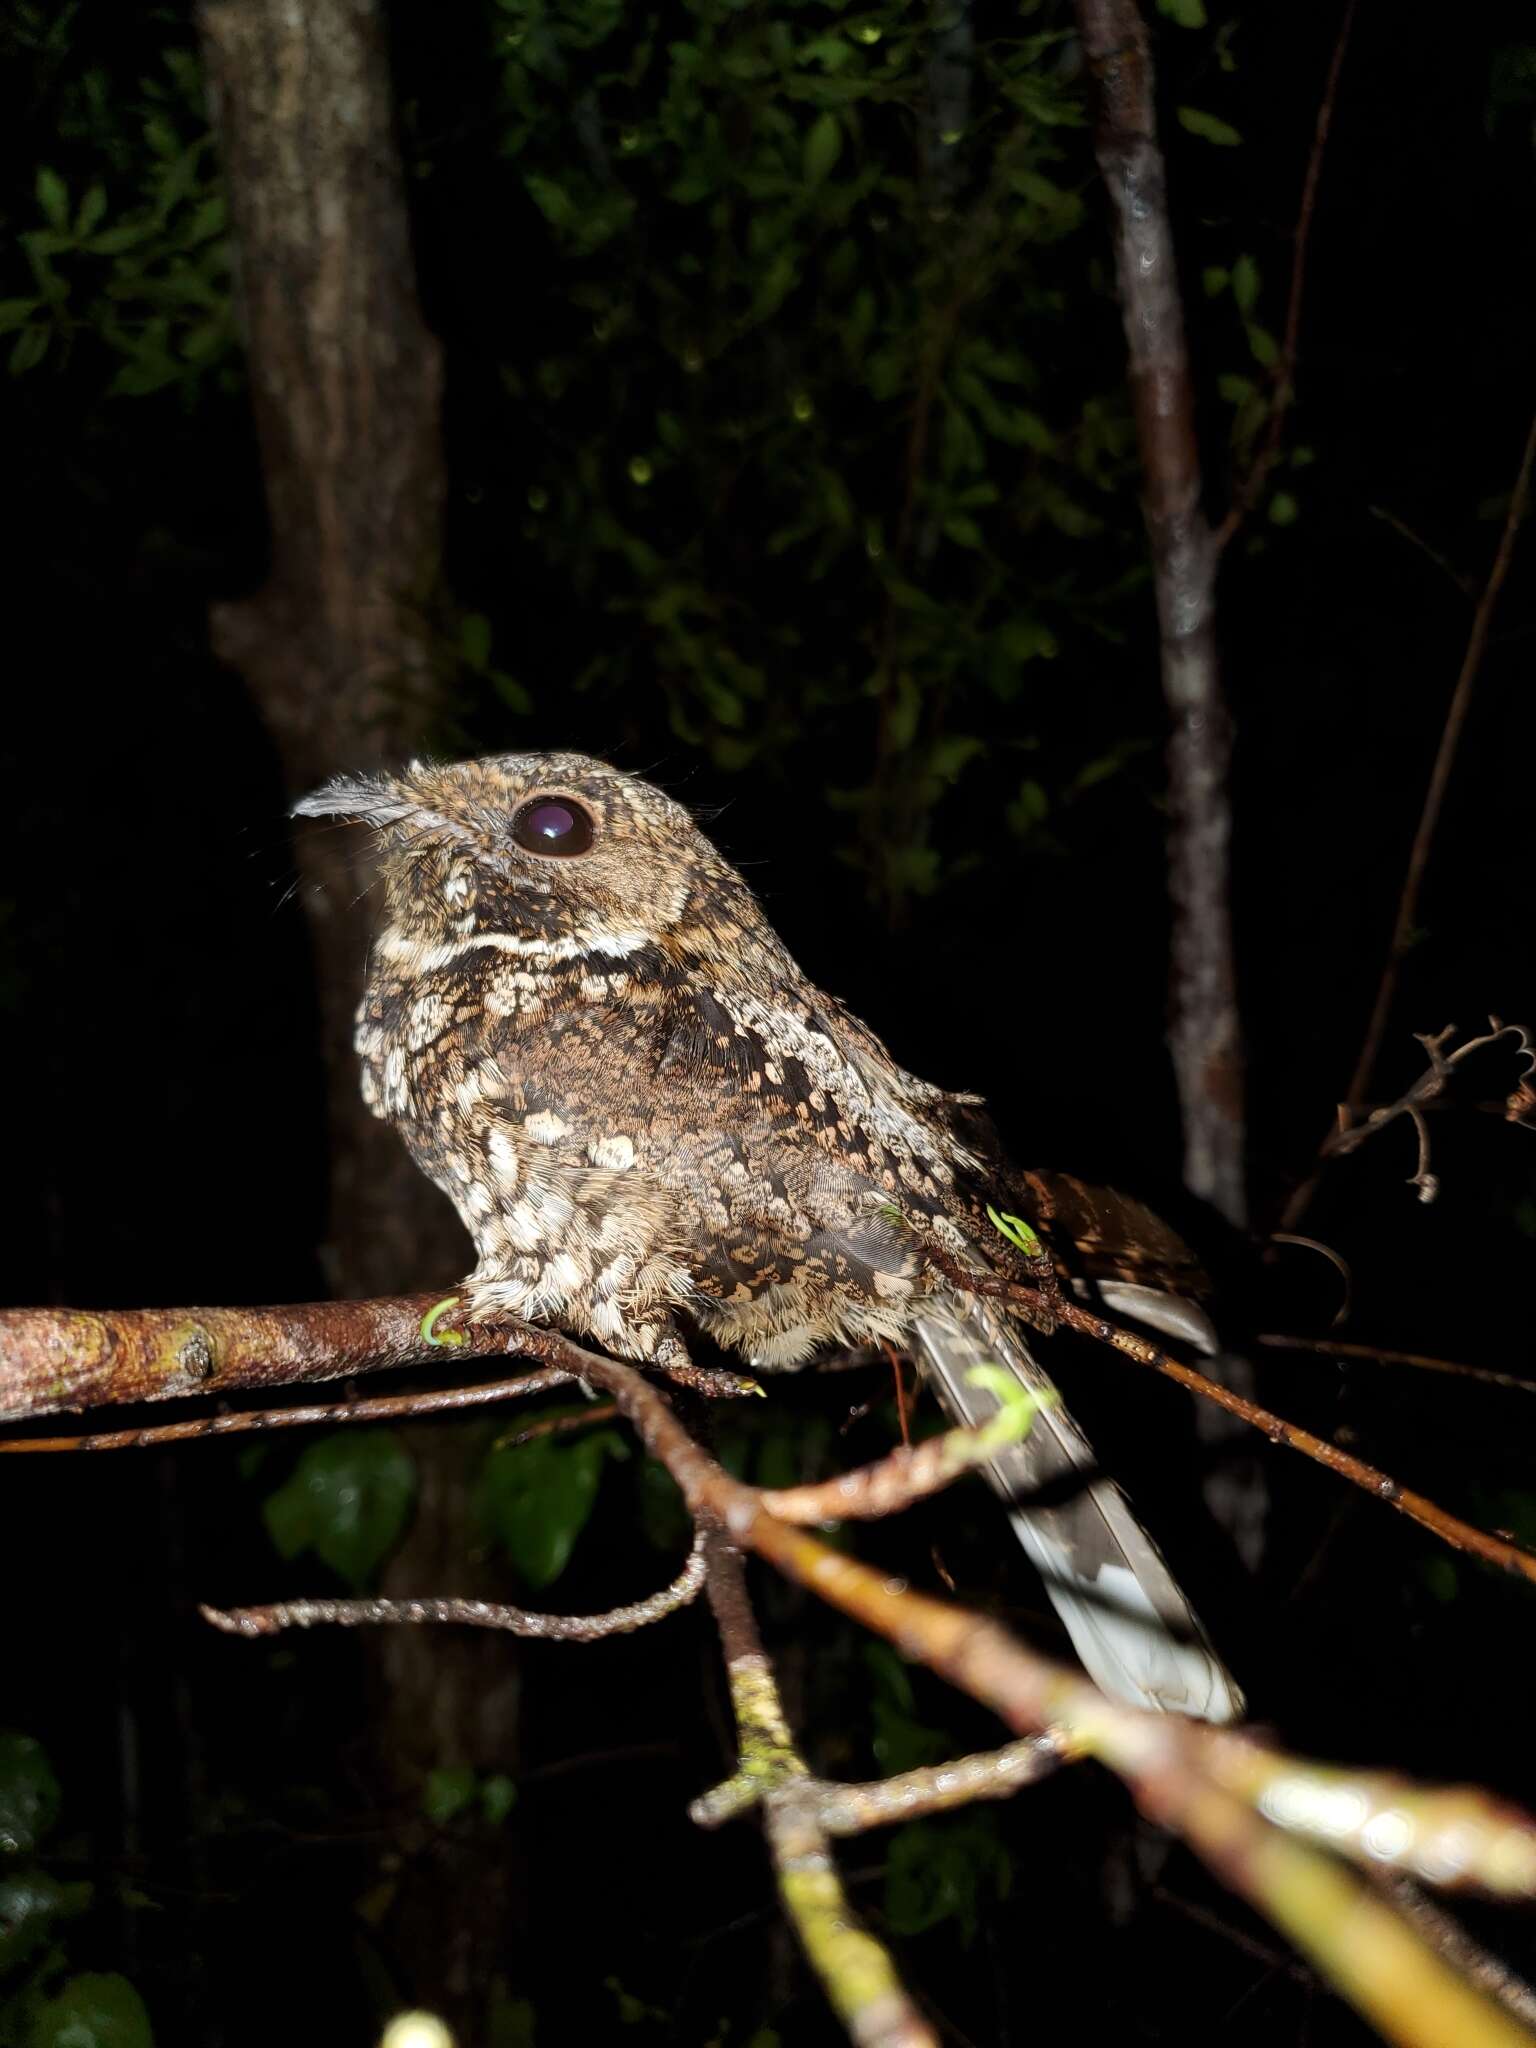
1349, 1132
1247, 495
557, 1425
377, 1408
517, 1621
1508, 1557
1467, 1957
1405, 924
856, 1972
909, 1473
991, 1774
1375, 1354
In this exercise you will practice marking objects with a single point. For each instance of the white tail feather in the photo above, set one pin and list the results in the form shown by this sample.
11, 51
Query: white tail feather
1136, 1633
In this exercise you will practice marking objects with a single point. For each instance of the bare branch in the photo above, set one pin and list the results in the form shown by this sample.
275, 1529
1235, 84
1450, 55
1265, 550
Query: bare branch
992, 1774
858, 1975
517, 1621
1249, 490
379, 1408
1406, 922
1374, 1354
1494, 1550
907, 1474
1348, 1133
1240, 1805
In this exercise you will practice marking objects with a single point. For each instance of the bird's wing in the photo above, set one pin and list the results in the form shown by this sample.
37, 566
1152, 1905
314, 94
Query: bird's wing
1136, 1633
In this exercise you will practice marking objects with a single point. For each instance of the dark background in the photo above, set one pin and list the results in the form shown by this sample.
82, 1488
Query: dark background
165, 1137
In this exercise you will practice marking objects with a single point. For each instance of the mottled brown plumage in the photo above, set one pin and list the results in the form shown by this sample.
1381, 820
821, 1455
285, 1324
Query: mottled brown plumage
595, 1044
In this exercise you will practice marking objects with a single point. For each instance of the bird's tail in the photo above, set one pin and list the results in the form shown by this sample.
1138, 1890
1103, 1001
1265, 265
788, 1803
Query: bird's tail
1136, 1633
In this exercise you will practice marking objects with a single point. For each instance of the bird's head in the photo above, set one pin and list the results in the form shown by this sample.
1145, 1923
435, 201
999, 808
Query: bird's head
556, 854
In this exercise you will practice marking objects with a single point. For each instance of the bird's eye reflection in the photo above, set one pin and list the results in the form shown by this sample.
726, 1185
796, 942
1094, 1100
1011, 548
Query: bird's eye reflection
553, 824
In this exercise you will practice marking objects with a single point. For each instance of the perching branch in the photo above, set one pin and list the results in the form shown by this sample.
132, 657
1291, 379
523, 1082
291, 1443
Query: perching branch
1242, 1806
1204, 1032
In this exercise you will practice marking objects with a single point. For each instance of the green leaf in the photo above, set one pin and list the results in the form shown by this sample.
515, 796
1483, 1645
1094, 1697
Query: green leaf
1215, 279
210, 217
538, 1497
511, 692
92, 207
951, 756
348, 1500
31, 1902
447, 1792
113, 241
663, 1515
53, 198
1208, 127
1266, 350
1031, 807
552, 200
823, 145
1187, 13
475, 639
16, 313
93, 2012
498, 1796
1283, 509
29, 1793
1245, 283
962, 529
945, 1870
905, 709
31, 346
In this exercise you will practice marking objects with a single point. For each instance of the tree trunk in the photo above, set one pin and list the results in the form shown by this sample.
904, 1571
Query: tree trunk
345, 386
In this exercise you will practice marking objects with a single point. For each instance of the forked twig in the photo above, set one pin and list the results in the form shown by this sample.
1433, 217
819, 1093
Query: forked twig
855, 1970
1406, 921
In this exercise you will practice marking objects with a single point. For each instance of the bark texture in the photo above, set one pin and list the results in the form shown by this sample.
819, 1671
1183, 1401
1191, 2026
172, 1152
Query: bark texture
346, 385
336, 647
1204, 1031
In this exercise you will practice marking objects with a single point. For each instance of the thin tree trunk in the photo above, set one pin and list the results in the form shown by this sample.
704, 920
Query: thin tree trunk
1205, 1036
1204, 1033
346, 387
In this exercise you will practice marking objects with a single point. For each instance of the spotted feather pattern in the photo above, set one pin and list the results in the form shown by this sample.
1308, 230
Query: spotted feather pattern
644, 1113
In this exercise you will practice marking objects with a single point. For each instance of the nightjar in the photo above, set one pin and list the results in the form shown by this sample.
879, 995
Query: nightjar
647, 1117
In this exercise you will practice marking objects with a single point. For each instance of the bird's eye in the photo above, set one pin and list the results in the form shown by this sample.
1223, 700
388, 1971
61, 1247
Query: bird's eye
553, 824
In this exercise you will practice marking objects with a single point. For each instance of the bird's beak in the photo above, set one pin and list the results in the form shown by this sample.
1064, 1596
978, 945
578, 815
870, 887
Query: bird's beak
365, 799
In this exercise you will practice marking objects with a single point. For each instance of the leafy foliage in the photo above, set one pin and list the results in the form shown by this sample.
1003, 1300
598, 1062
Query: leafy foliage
348, 1500
132, 255
97, 2011
29, 1793
41, 2004
537, 1497
809, 275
